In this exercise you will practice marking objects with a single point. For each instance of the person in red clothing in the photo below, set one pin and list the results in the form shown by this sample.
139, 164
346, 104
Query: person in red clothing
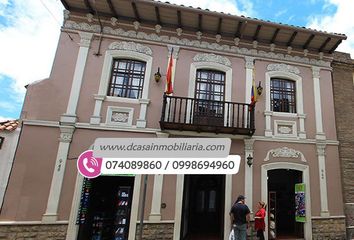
259, 223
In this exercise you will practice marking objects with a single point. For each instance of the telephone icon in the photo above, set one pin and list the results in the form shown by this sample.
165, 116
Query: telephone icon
89, 169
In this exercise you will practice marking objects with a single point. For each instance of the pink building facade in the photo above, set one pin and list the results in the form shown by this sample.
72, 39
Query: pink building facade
102, 85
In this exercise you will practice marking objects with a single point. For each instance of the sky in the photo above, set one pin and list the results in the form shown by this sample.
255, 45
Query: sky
29, 32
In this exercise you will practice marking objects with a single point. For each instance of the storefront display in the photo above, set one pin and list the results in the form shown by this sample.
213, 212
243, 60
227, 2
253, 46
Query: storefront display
122, 214
105, 208
272, 214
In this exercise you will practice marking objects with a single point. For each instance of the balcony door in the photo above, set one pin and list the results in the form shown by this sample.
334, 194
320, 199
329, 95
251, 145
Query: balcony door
209, 97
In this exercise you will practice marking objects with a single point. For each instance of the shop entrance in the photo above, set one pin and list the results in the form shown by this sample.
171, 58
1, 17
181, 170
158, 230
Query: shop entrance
281, 204
105, 208
203, 207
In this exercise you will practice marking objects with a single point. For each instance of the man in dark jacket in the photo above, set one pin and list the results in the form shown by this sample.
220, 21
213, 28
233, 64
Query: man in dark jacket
240, 218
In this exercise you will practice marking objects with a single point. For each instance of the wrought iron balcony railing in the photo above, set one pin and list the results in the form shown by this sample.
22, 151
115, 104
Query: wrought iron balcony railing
190, 114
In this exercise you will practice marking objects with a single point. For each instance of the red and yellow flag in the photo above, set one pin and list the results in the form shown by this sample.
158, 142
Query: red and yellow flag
169, 88
253, 89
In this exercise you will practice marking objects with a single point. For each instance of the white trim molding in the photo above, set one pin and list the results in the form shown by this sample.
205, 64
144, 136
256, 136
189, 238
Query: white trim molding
213, 66
281, 67
285, 129
286, 73
249, 65
222, 47
73, 228
285, 152
121, 116
126, 50
179, 206
210, 57
249, 144
305, 179
318, 107
70, 115
51, 213
321, 155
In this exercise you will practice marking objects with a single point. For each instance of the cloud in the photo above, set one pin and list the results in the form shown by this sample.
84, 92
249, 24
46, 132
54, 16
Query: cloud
226, 6
29, 36
8, 106
279, 13
339, 22
3, 119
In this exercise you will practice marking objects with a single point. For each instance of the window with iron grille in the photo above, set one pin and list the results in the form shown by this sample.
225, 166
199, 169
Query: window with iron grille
283, 95
127, 78
210, 85
209, 94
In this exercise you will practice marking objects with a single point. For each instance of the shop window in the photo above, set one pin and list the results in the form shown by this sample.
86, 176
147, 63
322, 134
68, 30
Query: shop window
127, 78
283, 95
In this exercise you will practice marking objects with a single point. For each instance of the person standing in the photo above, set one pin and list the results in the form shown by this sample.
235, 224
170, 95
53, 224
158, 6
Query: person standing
259, 223
240, 218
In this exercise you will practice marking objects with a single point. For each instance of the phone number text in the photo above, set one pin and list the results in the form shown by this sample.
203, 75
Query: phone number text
229, 165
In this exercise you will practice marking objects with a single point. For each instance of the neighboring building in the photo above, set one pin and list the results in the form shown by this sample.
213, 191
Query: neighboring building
343, 88
9, 134
102, 85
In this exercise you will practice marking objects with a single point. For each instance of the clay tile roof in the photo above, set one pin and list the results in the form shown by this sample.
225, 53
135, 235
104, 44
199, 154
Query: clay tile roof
9, 125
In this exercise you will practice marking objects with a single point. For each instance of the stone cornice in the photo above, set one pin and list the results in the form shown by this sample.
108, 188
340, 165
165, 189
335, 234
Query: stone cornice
193, 43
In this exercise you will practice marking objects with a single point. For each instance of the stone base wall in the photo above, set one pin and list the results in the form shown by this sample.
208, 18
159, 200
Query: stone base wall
33, 232
156, 231
349, 212
328, 228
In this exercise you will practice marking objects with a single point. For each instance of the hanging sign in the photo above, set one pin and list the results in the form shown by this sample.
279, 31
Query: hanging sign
300, 207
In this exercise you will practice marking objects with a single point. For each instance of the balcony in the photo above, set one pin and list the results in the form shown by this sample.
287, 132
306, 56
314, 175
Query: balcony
190, 114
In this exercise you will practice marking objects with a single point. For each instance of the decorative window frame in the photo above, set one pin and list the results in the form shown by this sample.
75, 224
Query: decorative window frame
285, 72
124, 50
110, 111
299, 95
107, 69
210, 65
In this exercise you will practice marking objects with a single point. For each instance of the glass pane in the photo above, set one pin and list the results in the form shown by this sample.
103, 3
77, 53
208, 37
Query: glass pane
122, 64
212, 201
200, 201
203, 75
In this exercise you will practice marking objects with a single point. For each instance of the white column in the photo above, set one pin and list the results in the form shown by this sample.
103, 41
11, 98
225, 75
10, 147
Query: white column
135, 208
155, 213
96, 118
141, 122
51, 214
249, 78
318, 107
73, 228
249, 174
228, 204
70, 115
302, 133
178, 207
321, 154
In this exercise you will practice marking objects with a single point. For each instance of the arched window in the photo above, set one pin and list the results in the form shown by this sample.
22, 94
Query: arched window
282, 95
127, 78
